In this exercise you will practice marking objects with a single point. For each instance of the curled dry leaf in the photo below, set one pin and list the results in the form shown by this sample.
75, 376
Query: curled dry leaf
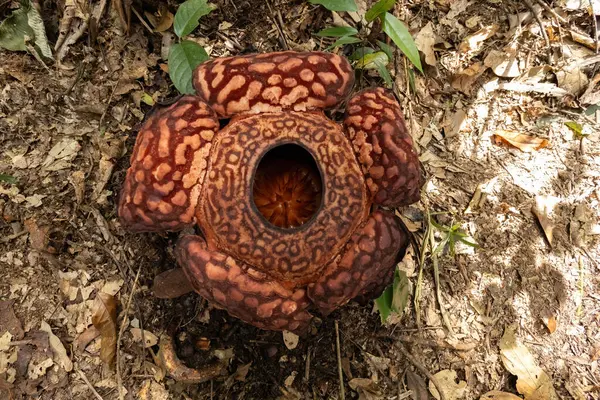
58, 349
543, 207
550, 322
472, 43
104, 318
532, 381
521, 141
241, 372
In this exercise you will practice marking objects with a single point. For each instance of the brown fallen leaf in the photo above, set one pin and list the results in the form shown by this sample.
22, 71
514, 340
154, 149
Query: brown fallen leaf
149, 338
366, 388
550, 323
58, 348
86, 337
38, 235
241, 372
9, 321
417, 384
543, 207
152, 390
521, 141
171, 284
447, 381
503, 63
572, 79
104, 318
425, 40
532, 381
496, 395
165, 21
472, 43
465, 79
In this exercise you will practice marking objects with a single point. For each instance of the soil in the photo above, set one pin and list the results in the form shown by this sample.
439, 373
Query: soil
66, 132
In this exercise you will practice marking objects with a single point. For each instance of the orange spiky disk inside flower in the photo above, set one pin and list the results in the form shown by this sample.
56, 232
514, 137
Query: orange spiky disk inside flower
287, 186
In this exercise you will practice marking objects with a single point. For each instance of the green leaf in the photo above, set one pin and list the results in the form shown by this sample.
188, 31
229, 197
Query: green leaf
370, 61
337, 31
400, 291
360, 53
147, 99
401, 36
344, 40
591, 110
386, 49
384, 303
337, 5
184, 57
385, 74
8, 179
395, 297
24, 25
188, 14
576, 128
379, 8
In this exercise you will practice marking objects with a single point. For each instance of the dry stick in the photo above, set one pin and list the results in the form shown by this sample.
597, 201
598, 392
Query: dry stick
142, 20
423, 370
121, 330
438, 292
339, 361
551, 11
8, 238
112, 93
595, 25
307, 367
279, 29
89, 385
541, 24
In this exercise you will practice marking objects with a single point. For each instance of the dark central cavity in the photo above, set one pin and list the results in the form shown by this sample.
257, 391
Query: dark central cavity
287, 186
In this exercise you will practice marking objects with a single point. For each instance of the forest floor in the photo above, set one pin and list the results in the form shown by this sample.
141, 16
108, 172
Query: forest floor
525, 303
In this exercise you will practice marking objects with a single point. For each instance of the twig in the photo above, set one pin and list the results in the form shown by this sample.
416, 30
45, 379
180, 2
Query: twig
112, 93
595, 25
551, 11
8, 238
307, 367
279, 29
142, 20
121, 330
339, 361
234, 43
541, 24
438, 292
89, 385
423, 370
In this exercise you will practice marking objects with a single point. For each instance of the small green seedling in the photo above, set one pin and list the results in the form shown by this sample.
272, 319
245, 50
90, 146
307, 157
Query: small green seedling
186, 55
365, 56
430, 249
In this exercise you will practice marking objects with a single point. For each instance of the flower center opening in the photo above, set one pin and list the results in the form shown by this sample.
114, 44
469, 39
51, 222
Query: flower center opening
287, 186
